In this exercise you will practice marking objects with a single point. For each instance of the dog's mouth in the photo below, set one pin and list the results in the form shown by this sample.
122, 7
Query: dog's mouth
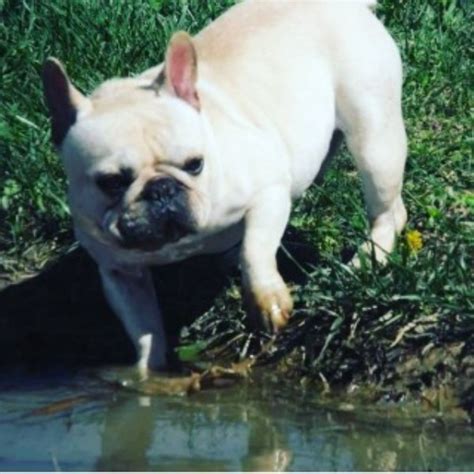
147, 228
151, 241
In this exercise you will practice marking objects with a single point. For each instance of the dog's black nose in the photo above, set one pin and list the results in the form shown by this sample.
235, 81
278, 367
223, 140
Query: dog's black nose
160, 189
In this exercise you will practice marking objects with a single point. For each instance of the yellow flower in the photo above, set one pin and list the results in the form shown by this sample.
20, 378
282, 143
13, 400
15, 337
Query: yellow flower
414, 240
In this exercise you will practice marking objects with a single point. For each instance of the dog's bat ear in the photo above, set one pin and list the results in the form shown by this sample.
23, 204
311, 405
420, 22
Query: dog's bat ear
180, 70
64, 101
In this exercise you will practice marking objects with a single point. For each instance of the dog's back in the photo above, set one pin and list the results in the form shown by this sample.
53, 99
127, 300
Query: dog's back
259, 50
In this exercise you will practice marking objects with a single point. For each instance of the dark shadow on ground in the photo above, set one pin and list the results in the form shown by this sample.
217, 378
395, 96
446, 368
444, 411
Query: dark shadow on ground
60, 316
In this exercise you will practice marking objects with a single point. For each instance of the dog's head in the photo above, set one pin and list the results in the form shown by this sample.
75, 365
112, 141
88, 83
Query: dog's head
134, 152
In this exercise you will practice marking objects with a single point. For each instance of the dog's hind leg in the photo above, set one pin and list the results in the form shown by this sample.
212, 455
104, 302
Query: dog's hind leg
369, 113
376, 137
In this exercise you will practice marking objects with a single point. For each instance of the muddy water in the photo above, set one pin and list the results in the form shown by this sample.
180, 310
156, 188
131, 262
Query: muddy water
64, 421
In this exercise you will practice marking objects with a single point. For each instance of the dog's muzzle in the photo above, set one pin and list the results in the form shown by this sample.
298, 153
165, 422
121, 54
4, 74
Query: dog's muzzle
161, 215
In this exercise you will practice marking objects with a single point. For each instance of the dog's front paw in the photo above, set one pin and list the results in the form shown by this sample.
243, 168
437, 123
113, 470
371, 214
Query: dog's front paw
151, 354
269, 306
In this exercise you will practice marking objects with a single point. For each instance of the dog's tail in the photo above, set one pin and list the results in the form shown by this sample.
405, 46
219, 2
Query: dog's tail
369, 3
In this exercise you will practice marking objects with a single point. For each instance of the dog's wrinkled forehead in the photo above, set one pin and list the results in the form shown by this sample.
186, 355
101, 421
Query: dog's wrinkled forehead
159, 130
158, 116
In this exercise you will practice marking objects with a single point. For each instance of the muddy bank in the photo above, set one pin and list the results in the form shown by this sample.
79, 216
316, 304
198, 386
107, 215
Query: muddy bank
435, 381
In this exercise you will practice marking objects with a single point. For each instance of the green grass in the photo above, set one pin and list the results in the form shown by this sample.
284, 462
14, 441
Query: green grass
351, 317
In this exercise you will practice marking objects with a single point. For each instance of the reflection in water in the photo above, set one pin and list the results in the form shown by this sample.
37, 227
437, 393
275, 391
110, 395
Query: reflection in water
255, 426
440, 449
127, 435
206, 432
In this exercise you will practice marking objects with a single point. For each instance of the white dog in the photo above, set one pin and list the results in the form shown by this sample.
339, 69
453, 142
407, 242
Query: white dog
210, 148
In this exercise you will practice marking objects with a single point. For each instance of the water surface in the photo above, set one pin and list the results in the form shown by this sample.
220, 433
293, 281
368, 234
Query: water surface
76, 421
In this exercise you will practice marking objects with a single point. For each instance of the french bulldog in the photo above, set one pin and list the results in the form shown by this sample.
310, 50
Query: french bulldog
210, 148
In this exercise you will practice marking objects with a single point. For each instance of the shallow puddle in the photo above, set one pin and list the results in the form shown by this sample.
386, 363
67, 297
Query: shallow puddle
64, 421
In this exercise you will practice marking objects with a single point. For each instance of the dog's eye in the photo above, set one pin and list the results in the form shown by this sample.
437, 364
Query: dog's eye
113, 185
194, 166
